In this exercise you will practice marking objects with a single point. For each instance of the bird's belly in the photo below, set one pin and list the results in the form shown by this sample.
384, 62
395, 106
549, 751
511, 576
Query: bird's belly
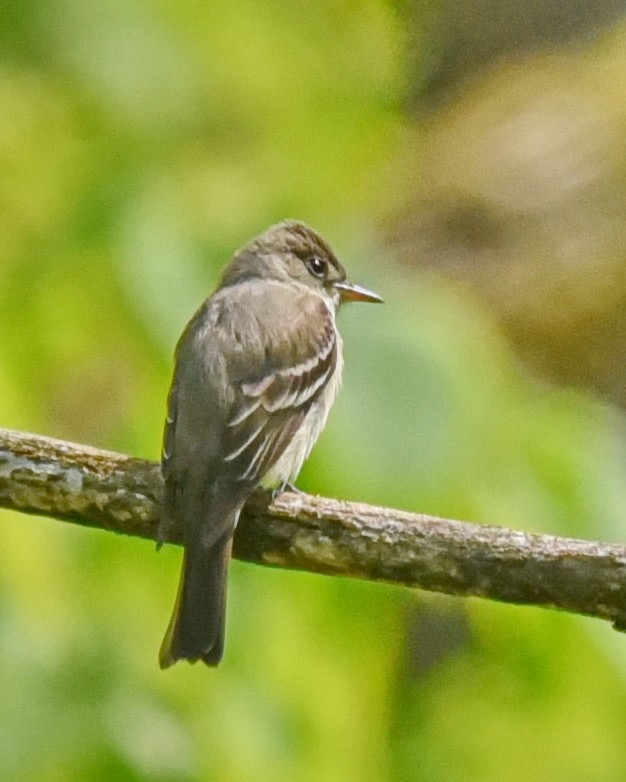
290, 462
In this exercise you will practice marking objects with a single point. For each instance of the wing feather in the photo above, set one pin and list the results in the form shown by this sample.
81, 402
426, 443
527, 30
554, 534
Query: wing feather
166, 520
272, 371
274, 402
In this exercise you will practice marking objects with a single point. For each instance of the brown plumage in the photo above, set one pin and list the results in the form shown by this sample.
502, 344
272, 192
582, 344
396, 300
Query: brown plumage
257, 370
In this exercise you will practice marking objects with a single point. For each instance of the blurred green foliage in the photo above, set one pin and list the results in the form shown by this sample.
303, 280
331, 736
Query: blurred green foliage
140, 144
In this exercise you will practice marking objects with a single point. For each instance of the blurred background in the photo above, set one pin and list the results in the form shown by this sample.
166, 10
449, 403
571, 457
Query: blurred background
466, 160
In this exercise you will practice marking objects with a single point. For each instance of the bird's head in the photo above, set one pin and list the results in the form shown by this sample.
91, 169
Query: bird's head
291, 252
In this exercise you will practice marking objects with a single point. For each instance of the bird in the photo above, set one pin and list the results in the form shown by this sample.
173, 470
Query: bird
256, 372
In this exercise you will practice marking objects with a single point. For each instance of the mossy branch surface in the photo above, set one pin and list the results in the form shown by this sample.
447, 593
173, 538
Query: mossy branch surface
119, 493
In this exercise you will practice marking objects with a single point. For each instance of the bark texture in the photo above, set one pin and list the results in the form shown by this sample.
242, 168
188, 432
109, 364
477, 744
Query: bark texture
119, 493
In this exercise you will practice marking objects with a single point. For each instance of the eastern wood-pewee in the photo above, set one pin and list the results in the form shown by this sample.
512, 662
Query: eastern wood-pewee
257, 371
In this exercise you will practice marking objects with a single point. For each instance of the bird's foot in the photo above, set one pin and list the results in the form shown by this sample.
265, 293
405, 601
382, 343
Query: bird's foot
285, 486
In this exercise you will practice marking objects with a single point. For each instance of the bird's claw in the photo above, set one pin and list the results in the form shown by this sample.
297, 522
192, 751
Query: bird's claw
285, 486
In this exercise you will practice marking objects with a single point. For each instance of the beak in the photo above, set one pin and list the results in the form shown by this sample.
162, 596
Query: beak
349, 291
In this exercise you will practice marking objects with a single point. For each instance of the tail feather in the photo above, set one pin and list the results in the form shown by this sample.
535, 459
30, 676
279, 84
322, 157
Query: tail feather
196, 629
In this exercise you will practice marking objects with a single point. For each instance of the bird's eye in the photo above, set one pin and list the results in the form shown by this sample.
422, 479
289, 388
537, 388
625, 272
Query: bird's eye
316, 266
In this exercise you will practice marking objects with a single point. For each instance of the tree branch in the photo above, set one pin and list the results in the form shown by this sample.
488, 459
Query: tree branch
122, 494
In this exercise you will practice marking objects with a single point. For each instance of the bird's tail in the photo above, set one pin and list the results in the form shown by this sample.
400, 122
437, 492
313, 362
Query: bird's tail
196, 629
